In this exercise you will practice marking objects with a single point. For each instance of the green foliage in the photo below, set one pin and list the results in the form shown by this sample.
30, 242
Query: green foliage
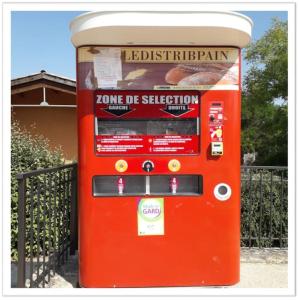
48, 212
265, 95
264, 210
268, 64
28, 152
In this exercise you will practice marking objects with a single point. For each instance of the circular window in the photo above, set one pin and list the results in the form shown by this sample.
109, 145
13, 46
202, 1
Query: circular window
222, 191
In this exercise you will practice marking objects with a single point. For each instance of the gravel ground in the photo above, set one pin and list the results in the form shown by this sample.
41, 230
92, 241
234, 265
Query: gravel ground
260, 268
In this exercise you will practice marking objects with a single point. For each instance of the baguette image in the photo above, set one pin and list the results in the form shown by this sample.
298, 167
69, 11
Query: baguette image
174, 75
211, 67
201, 78
203, 74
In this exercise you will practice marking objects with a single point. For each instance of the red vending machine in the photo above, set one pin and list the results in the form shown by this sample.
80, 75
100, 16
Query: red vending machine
159, 147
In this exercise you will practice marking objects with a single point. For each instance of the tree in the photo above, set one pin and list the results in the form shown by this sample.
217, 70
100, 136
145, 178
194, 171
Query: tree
265, 95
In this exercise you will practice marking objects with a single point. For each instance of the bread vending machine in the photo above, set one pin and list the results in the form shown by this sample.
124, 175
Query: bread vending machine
159, 147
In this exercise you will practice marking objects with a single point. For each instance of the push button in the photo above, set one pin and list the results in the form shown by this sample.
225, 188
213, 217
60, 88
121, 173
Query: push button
148, 166
121, 166
174, 165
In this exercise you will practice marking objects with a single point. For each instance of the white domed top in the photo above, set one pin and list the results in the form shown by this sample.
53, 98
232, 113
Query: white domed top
162, 28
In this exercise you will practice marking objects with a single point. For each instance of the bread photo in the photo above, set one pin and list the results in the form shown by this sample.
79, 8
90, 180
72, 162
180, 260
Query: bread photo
202, 74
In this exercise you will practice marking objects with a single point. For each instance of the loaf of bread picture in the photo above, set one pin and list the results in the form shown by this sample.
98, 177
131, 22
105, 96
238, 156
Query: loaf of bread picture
202, 74
175, 75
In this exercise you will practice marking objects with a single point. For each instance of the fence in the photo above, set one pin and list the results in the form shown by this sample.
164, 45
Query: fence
47, 213
264, 206
47, 231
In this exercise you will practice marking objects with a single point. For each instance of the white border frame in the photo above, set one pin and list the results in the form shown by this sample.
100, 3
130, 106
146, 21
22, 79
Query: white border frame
56, 5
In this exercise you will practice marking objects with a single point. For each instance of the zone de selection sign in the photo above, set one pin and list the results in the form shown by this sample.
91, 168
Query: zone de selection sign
147, 105
138, 104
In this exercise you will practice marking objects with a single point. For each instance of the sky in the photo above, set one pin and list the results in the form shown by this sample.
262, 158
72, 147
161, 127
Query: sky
41, 40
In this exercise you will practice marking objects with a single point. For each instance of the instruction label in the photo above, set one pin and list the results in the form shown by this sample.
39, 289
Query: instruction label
139, 144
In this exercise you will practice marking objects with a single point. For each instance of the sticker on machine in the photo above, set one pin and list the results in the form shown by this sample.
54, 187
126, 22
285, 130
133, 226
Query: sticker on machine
107, 67
150, 216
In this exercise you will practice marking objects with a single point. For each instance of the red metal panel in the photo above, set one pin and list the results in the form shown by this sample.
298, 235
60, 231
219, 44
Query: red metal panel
201, 243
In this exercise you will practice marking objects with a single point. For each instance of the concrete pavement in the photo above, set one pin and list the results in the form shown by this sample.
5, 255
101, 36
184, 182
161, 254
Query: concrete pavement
260, 268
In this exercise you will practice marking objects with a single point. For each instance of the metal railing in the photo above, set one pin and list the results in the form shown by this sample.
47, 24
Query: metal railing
47, 226
264, 206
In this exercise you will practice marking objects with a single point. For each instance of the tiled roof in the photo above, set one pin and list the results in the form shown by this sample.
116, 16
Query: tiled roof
43, 75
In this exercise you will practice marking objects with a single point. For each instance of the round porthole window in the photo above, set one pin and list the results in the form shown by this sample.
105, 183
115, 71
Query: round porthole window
222, 191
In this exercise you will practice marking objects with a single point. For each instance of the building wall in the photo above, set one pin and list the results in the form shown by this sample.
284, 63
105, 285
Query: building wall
59, 125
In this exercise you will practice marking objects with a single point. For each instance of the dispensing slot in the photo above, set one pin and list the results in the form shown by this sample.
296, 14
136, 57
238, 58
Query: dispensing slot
129, 185
109, 185
185, 185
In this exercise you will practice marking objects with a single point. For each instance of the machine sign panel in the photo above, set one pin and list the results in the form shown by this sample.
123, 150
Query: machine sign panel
146, 104
147, 122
